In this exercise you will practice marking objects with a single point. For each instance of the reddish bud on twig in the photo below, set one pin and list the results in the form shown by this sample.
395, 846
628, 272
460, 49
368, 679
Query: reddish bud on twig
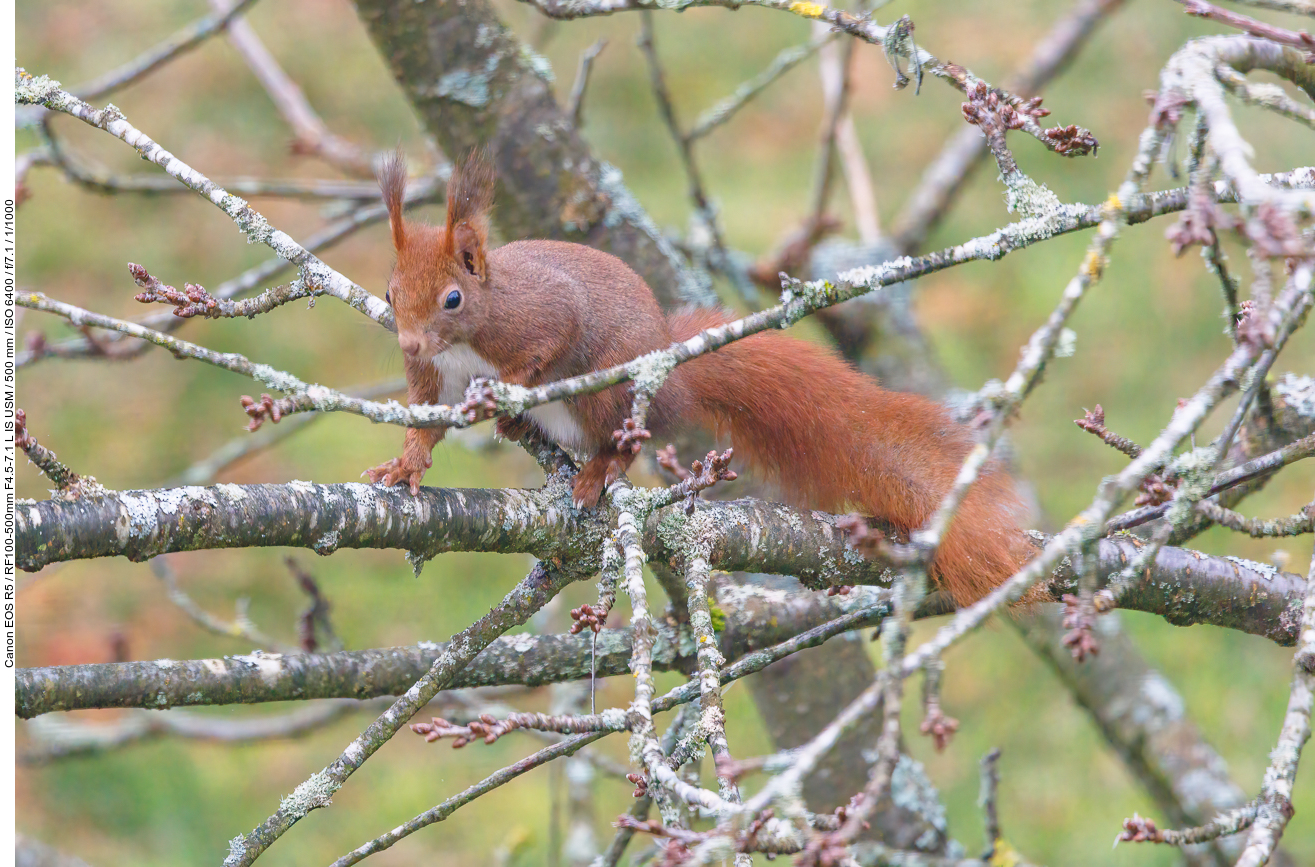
668, 460
939, 727
194, 300
1093, 422
1139, 830
1079, 618
1071, 140
631, 437
588, 617
266, 408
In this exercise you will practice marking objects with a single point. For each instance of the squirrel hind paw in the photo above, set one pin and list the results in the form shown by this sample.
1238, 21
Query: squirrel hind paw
586, 492
587, 489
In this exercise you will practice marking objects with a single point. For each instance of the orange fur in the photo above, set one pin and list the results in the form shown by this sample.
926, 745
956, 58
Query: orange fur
835, 440
539, 311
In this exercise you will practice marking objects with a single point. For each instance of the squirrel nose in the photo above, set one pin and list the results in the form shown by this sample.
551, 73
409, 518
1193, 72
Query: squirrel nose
411, 343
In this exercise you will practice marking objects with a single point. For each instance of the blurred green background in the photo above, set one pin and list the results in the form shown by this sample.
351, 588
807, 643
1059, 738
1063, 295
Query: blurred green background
1147, 335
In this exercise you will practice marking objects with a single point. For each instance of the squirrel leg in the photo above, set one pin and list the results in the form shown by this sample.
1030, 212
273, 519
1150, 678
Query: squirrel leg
416, 457
601, 470
512, 429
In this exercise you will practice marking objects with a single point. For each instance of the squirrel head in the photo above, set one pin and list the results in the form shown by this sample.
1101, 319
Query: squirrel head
439, 289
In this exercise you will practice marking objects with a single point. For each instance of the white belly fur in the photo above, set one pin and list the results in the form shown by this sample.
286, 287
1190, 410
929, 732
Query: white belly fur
460, 364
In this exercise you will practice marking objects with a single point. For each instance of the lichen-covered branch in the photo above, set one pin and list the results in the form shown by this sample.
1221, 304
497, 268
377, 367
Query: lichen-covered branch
762, 633
945, 176
1275, 807
750, 535
1190, 74
541, 585
894, 40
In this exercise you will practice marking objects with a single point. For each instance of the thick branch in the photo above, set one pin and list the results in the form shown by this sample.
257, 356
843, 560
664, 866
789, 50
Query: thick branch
525, 660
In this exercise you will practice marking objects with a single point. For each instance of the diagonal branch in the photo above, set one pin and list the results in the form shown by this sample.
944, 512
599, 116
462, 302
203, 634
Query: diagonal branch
317, 791
224, 17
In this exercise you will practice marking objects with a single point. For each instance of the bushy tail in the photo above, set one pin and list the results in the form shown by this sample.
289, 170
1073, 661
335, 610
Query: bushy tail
835, 440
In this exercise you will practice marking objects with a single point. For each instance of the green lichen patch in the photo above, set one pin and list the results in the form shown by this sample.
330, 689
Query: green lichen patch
30, 90
313, 794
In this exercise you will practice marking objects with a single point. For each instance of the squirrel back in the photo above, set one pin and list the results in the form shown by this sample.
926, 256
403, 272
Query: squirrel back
538, 311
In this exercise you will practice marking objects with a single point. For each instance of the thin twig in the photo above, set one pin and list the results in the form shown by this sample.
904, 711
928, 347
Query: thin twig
1140, 830
703, 207
317, 791
225, 16
312, 136
946, 174
1293, 525
575, 105
987, 800
61, 738
248, 280
786, 60
1274, 807
240, 627
1253, 27
1250, 471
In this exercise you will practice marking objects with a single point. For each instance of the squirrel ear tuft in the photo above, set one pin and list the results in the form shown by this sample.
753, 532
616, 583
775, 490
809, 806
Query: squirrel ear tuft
392, 181
469, 200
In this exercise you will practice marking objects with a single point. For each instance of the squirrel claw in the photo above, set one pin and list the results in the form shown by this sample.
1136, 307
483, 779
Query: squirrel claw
631, 437
480, 402
395, 472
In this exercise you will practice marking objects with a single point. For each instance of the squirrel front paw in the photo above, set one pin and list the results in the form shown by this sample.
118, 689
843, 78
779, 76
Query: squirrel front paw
398, 471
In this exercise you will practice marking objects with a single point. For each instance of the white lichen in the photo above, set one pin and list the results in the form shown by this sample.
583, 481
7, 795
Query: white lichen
1067, 344
1027, 198
650, 371
536, 63
34, 91
313, 794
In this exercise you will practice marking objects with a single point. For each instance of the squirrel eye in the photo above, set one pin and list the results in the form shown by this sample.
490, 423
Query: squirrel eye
453, 300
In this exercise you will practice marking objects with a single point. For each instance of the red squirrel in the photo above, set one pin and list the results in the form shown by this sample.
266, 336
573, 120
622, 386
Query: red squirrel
532, 312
